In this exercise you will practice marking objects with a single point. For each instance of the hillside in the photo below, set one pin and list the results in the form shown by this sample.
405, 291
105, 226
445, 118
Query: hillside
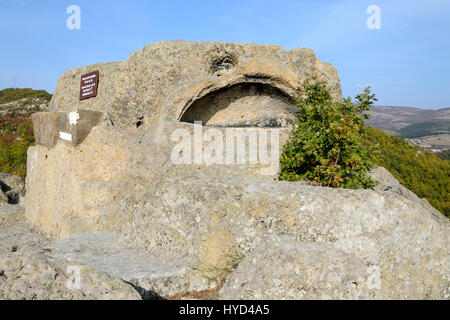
12, 95
420, 171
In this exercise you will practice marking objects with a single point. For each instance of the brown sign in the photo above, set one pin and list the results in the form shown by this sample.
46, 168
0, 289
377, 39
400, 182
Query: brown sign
89, 85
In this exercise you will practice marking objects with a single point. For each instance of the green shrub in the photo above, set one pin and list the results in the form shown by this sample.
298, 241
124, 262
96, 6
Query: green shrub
326, 147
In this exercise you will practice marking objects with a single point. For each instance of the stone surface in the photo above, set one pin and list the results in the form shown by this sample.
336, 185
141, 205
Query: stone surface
388, 184
11, 215
33, 266
283, 269
29, 271
163, 275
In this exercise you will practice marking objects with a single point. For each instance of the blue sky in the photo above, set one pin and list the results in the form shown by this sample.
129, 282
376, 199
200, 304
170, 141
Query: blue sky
407, 61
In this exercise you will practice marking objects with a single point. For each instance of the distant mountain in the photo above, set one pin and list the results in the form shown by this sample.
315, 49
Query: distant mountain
410, 122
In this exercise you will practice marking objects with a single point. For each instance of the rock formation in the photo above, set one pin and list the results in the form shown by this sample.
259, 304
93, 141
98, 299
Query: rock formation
113, 190
12, 189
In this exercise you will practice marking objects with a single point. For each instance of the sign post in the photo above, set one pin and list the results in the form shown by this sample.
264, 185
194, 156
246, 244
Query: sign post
89, 85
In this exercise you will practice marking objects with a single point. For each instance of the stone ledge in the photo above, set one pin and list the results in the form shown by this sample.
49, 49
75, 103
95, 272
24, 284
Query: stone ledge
72, 127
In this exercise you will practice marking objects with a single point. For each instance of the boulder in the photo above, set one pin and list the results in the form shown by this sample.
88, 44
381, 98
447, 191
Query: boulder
388, 184
122, 179
12, 188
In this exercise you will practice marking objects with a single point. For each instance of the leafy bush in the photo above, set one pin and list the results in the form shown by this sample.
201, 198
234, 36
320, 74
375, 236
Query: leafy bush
326, 147
420, 171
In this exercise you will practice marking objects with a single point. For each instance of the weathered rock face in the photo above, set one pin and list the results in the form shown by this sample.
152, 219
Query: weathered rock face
162, 80
121, 179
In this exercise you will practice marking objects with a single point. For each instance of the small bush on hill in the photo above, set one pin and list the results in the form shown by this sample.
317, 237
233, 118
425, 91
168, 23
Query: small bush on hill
326, 147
